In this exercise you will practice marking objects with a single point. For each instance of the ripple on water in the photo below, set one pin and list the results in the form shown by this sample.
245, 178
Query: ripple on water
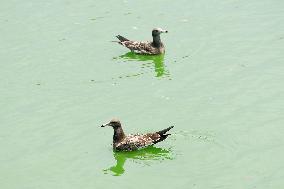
205, 136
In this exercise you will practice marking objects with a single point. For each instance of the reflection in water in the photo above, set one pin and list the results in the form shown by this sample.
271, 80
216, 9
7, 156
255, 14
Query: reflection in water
157, 60
144, 155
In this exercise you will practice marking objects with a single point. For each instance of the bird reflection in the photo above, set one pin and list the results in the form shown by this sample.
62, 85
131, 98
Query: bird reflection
141, 156
156, 60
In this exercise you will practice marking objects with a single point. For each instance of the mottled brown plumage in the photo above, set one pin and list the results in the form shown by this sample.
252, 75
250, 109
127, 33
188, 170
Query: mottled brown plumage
152, 48
122, 142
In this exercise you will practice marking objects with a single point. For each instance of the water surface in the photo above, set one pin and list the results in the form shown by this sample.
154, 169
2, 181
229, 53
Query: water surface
220, 83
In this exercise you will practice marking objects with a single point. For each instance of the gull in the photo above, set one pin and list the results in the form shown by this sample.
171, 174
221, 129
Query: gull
150, 47
122, 142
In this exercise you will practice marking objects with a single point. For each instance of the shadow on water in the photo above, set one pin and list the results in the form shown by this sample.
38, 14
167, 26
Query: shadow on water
144, 156
150, 60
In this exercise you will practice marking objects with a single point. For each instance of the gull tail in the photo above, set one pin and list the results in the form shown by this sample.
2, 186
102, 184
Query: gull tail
122, 39
163, 134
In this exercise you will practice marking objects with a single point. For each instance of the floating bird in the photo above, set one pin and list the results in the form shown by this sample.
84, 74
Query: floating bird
151, 48
122, 142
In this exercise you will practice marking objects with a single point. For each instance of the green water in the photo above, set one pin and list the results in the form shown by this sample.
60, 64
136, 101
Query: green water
220, 83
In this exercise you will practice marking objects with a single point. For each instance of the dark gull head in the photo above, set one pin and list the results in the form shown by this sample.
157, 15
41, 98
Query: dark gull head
158, 31
115, 123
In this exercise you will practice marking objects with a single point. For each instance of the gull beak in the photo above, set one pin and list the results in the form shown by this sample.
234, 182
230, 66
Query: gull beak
104, 125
